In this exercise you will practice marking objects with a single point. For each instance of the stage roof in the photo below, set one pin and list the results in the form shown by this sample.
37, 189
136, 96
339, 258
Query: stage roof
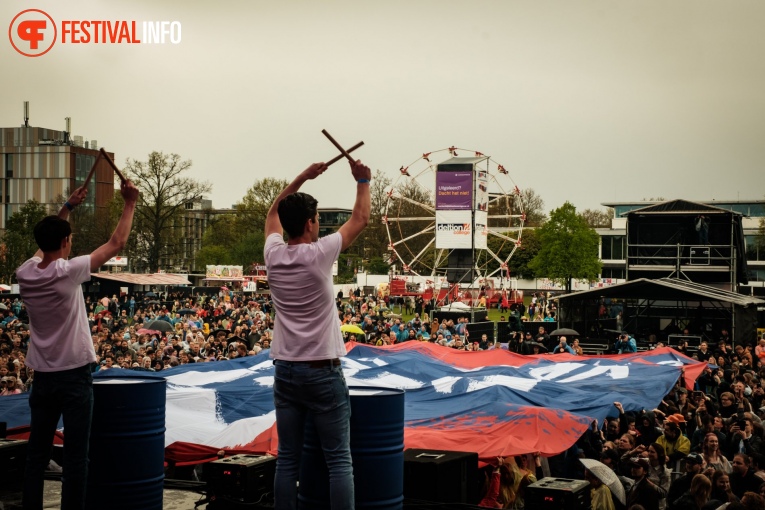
145, 279
681, 207
665, 289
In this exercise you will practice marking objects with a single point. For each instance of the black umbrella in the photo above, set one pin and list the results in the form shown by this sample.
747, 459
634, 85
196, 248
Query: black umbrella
159, 325
564, 332
542, 348
186, 311
150, 294
152, 302
226, 331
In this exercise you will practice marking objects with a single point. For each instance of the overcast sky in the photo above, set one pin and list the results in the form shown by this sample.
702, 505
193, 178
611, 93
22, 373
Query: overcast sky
586, 101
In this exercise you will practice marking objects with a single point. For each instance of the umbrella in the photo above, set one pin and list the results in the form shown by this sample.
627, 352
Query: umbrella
542, 348
3, 307
144, 331
564, 332
606, 475
351, 328
186, 311
150, 294
226, 331
159, 325
153, 302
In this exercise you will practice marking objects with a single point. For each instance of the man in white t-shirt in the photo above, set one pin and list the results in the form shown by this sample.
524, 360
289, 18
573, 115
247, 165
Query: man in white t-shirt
61, 348
307, 344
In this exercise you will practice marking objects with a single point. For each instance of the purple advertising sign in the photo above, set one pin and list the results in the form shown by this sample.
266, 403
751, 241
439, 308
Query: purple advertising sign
454, 190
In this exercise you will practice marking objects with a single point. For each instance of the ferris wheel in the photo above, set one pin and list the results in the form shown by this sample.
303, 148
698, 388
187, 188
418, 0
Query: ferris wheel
411, 211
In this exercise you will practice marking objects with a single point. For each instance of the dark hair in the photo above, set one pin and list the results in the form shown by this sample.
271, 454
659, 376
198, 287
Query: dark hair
50, 231
294, 210
660, 453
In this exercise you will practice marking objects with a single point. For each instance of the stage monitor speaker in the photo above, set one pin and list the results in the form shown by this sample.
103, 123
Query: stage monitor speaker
460, 266
441, 476
13, 459
556, 493
243, 478
476, 329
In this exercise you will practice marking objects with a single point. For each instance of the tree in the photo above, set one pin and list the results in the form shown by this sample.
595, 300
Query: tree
18, 241
524, 254
251, 212
165, 193
569, 248
374, 238
533, 207
598, 219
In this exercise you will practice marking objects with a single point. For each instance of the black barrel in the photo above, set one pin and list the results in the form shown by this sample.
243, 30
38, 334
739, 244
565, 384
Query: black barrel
127, 444
377, 448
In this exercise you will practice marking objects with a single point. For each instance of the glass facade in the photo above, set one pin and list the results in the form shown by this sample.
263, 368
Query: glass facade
755, 248
83, 164
613, 248
613, 272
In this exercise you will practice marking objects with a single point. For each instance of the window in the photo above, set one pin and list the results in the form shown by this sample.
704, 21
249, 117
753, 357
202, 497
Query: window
9, 166
613, 247
613, 272
753, 251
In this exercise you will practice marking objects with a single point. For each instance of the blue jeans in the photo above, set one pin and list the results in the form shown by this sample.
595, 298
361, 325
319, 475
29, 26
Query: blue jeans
54, 394
303, 392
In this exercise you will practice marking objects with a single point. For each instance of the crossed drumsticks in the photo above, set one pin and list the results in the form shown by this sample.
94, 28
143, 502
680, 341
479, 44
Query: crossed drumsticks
343, 153
103, 154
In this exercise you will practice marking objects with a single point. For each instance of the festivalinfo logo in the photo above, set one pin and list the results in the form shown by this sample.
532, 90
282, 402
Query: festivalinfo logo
33, 32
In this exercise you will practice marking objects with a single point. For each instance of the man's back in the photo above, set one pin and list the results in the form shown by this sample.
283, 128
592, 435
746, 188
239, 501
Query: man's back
58, 320
306, 327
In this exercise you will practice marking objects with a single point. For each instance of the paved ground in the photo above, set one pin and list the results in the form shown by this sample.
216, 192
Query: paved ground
172, 499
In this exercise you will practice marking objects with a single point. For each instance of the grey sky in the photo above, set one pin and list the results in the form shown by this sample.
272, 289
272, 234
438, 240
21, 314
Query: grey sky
586, 101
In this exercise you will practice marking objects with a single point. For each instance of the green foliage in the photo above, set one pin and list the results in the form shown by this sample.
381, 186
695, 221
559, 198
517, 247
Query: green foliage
251, 212
18, 241
238, 239
377, 265
569, 248
519, 263
346, 266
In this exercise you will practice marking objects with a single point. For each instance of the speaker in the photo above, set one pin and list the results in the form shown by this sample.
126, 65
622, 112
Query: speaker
441, 476
243, 478
460, 267
476, 329
556, 493
13, 460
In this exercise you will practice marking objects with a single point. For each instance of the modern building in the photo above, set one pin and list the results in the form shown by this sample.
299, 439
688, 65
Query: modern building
331, 219
46, 165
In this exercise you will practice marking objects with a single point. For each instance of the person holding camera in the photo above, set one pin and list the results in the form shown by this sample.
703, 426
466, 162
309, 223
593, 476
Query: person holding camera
740, 438
625, 344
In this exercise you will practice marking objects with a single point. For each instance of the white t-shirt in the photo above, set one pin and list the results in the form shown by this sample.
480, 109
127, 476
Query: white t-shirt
300, 276
58, 322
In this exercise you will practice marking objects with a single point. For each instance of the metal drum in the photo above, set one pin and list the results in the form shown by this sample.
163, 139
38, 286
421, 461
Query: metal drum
377, 448
127, 444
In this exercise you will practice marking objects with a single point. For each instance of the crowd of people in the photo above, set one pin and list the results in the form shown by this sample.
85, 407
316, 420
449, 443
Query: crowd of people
698, 449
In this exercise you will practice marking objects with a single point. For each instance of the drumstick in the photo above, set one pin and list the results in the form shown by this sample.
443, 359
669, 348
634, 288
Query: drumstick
114, 167
92, 171
339, 147
340, 156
